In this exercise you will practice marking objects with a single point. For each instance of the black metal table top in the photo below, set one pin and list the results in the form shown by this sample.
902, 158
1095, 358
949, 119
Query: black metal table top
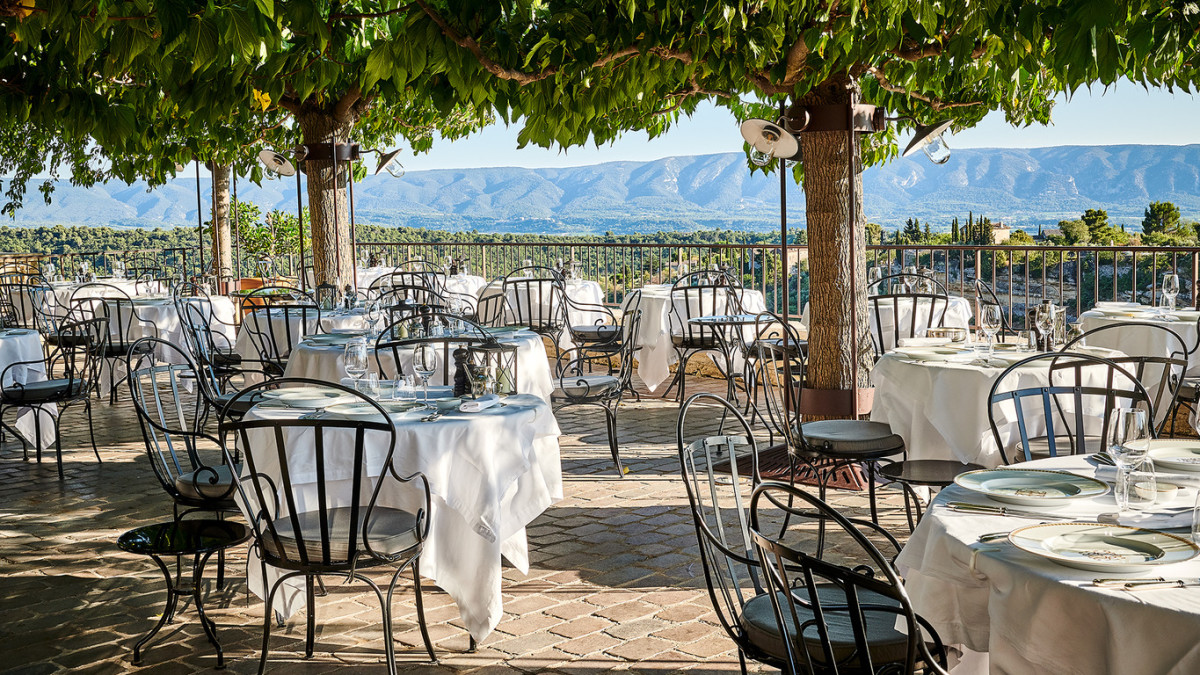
185, 537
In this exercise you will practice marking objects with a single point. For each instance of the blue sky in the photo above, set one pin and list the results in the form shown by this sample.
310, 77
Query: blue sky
1126, 113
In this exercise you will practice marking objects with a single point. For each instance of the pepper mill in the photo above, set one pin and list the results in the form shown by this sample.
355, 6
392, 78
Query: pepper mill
462, 383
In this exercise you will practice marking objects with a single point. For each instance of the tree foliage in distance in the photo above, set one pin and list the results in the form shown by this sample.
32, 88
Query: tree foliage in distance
1160, 218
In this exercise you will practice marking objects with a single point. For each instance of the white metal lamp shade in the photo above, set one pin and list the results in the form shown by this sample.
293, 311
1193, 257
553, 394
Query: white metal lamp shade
768, 140
276, 163
929, 137
387, 161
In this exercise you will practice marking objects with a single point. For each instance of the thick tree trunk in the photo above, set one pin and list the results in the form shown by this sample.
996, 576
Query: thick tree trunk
329, 208
222, 243
827, 198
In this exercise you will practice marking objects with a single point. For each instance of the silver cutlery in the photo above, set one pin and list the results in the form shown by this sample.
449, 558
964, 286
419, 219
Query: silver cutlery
1118, 582
992, 536
982, 509
1152, 584
431, 417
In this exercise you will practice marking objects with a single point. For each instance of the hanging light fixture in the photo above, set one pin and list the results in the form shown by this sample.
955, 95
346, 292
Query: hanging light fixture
931, 139
768, 140
387, 162
276, 163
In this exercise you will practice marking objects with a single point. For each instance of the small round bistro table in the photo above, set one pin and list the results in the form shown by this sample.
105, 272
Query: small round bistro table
197, 538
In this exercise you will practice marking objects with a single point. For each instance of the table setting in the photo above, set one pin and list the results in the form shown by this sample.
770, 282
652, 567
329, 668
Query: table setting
1046, 566
492, 463
1184, 322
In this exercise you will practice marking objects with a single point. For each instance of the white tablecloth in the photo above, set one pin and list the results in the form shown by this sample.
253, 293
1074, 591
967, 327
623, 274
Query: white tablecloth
26, 345
1145, 342
957, 314
247, 346
940, 409
1034, 616
657, 353
328, 363
491, 473
466, 284
63, 290
583, 291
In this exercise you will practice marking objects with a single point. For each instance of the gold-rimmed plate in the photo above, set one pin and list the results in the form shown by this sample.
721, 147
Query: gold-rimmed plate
1031, 487
1103, 548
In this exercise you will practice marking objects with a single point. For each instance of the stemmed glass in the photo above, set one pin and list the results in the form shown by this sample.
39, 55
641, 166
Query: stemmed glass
1044, 319
374, 315
989, 324
910, 279
874, 276
425, 364
356, 360
1128, 448
1170, 289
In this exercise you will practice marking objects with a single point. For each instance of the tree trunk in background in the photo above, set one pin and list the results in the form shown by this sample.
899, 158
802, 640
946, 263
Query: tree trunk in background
329, 208
222, 242
827, 195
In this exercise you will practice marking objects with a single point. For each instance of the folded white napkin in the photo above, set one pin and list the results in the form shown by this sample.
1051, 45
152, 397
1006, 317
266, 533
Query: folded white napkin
923, 342
1156, 520
481, 403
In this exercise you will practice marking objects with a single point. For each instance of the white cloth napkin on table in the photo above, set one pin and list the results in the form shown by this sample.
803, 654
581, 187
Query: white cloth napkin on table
482, 403
923, 342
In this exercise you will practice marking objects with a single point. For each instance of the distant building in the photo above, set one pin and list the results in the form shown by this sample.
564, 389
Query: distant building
1049, 232
1000, 233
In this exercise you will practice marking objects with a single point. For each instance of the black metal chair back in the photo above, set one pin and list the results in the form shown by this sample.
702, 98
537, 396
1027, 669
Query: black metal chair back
490, 310
577, 364
1160, 371
99, 300
141, 265
1074, 403
837, 616
298, 522
911, 313
403, 335
695, 295
16, 307
711, 432
186, 460
535, 296
400, 297
275, 319
779, 377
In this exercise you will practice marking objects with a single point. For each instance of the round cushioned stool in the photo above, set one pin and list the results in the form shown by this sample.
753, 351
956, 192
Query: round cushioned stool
197, 538
846, 442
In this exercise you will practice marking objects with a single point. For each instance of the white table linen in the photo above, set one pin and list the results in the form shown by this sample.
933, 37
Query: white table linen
940, 408
63, 290
466, 284
328, 363
955, 314
1145, 342
26, 345
584, 291
657, 354
490, 473
1033, 616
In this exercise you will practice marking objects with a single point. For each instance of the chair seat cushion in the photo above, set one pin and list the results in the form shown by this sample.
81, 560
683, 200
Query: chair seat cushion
116, 350
596, 333
208, 483
1189, 389
586, 386
226, 359
241, 407
392, 531
45, 391
852, 437
887, 645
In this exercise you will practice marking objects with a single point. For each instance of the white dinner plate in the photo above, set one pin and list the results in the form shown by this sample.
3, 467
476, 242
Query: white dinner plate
1176, 454
276, 393
318, 399
1186, 315
1118, 305
328, 339
351, 332
1102, 548
361, 409
1129, 313
1031, 487
935, 353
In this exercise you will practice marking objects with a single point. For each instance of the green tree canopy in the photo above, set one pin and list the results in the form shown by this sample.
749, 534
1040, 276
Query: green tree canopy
1161, 218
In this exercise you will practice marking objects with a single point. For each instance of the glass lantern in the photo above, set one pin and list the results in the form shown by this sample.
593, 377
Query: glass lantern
492, 368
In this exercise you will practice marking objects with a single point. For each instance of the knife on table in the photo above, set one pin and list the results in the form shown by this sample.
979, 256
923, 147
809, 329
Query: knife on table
983, 509
1151, 584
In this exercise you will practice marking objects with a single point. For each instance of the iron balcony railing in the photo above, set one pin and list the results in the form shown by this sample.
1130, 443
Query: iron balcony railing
1075, 277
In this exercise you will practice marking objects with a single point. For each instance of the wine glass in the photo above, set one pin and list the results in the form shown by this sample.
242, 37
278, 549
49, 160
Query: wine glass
989, 325
1128, 448
874, 276
1044, 320
1170, 289
374, 316
356, 359
425, 364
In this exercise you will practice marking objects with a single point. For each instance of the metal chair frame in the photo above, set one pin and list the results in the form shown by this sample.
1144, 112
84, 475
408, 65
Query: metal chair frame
389, 341
696, 291
292, 303
97, 299
535, 296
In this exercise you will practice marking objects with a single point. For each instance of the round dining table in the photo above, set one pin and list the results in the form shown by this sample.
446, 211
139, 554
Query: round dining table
1184, 322
581, 291
490, 474
656, 353
956, 313
325, 360
1011, 611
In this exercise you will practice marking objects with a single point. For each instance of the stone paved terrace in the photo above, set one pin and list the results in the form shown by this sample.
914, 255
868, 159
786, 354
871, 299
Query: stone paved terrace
615, 583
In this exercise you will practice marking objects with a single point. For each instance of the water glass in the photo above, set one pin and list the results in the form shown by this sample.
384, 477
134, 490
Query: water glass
406, 388
425, 364
1170, 289
874, 276
1128, 448
989, 325
357, 363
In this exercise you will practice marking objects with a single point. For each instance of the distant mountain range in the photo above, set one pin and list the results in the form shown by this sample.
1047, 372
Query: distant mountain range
1022, 187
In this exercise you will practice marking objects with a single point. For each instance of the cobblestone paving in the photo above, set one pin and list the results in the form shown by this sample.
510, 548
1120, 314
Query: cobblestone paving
615, 583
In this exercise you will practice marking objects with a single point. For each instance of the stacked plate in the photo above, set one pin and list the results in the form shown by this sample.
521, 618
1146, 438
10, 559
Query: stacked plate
1103, 548
1176, 454
360, 409
1031, 487
946, 354
328, 339
308, 397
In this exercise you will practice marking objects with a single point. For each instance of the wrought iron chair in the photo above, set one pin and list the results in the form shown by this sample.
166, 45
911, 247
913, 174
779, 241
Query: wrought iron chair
350, 520
911, 312
692, 296
49, 315
719, 505
16, 307
577, 387
1160, 372
1188, 396
1075, 405
535, 297
275, 319
830, 616
126, 325
490, 310
403, 298
81, 348
447, 332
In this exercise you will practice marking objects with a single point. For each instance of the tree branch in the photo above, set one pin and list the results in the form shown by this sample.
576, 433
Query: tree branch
346, 103
682, 95
928, 51
933, 103
369, 15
